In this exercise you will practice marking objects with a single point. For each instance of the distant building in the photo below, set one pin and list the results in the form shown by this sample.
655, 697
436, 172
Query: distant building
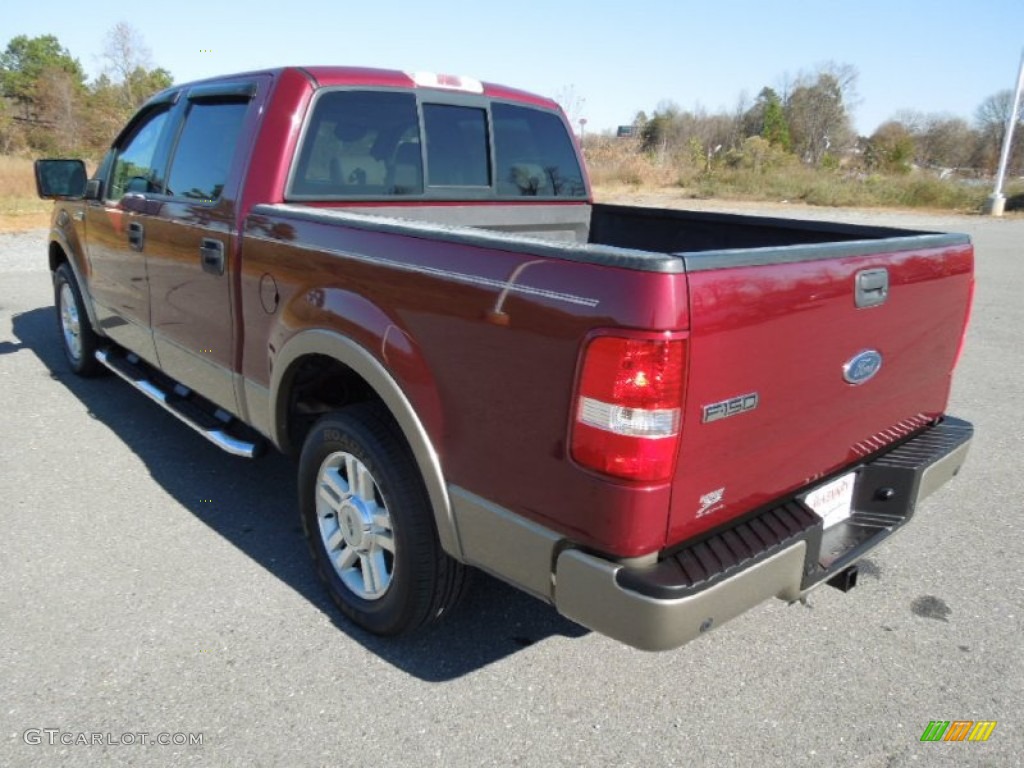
626, 131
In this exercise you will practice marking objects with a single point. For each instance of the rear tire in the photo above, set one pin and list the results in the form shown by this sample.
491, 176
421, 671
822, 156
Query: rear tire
369, 524
78, 339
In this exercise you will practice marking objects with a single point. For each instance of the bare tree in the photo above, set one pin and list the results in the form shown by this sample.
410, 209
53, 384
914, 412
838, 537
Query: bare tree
995, 110
709, 136
743, 105
125, 53
12, 138
846, 75
947, 142
58, 97
991, 119
942, 141
818, 110
571, 103
785, 84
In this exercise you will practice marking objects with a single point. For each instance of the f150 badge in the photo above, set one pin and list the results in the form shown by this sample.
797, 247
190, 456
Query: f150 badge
723, 409
862, 366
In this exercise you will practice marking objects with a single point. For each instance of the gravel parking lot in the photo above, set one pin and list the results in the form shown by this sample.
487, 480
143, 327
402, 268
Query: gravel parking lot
154, 588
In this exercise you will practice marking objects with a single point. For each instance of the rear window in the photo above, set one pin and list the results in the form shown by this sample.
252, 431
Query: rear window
457, 144
367, 144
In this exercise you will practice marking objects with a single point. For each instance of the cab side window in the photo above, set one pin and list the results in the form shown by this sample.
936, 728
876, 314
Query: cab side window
205, 149
136, 163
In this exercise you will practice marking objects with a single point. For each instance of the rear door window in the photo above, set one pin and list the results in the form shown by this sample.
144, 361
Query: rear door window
205, 149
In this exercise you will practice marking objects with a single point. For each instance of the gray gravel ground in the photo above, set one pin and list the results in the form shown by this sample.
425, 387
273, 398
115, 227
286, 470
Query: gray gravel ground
151, 584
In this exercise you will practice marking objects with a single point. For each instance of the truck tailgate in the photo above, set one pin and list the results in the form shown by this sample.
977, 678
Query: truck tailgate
770, 408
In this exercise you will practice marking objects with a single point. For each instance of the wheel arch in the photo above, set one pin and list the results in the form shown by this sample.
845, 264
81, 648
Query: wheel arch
59, 252
340, 348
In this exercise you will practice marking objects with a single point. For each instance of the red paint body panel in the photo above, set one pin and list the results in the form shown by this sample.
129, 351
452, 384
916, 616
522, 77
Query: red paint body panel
276, 140
785, 331
496, 399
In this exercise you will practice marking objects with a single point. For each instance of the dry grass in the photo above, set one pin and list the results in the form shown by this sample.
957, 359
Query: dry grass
836, 188
619, 165
16, 178
20, 208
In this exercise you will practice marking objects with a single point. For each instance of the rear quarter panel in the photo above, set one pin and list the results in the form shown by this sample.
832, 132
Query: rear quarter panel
484, 344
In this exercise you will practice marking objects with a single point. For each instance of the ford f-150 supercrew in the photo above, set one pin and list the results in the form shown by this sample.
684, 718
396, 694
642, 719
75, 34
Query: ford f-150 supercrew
652, 419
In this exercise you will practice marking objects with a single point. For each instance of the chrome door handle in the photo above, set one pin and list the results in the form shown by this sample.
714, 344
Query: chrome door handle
211, 253
136, 235
872, 287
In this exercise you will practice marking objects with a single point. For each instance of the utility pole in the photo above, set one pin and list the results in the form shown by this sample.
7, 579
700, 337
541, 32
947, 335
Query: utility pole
996, 203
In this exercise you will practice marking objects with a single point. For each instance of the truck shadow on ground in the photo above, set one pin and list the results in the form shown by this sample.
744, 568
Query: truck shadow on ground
252, 505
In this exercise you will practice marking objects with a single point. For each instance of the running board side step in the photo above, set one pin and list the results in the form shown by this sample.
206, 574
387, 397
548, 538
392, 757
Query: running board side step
186, 406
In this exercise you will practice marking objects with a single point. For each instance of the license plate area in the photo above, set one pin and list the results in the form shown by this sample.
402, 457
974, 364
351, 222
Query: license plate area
833, 501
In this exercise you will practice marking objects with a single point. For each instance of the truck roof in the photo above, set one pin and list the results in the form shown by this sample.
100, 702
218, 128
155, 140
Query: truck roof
393, 78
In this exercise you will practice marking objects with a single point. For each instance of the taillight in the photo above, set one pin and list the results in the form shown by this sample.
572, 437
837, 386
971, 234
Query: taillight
629, 406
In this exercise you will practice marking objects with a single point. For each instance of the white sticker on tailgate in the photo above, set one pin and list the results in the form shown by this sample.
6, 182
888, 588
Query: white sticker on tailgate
833, 501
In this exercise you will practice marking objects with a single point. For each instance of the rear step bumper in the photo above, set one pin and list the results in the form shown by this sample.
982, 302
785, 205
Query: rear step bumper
205, 418
783, 552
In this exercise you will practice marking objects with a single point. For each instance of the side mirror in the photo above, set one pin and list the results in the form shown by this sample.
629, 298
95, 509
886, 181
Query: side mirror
60, 178
94, 189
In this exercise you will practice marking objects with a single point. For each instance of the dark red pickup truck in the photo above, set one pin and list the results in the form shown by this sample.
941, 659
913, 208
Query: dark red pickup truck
651, 419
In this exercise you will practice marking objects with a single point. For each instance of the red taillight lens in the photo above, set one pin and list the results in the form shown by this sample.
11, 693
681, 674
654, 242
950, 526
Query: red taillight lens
629, 406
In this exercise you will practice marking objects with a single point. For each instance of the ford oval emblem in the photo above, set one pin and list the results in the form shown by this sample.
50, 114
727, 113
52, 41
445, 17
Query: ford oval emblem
862, 366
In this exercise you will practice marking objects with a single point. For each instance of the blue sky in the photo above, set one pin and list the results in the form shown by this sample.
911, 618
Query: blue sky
619, 57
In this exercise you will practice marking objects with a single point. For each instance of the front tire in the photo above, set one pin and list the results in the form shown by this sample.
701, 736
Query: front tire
78, 339
369, 524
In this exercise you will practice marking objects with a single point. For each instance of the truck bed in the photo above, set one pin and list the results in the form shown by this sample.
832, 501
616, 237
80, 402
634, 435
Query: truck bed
633, 237
768, 306
711, 240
